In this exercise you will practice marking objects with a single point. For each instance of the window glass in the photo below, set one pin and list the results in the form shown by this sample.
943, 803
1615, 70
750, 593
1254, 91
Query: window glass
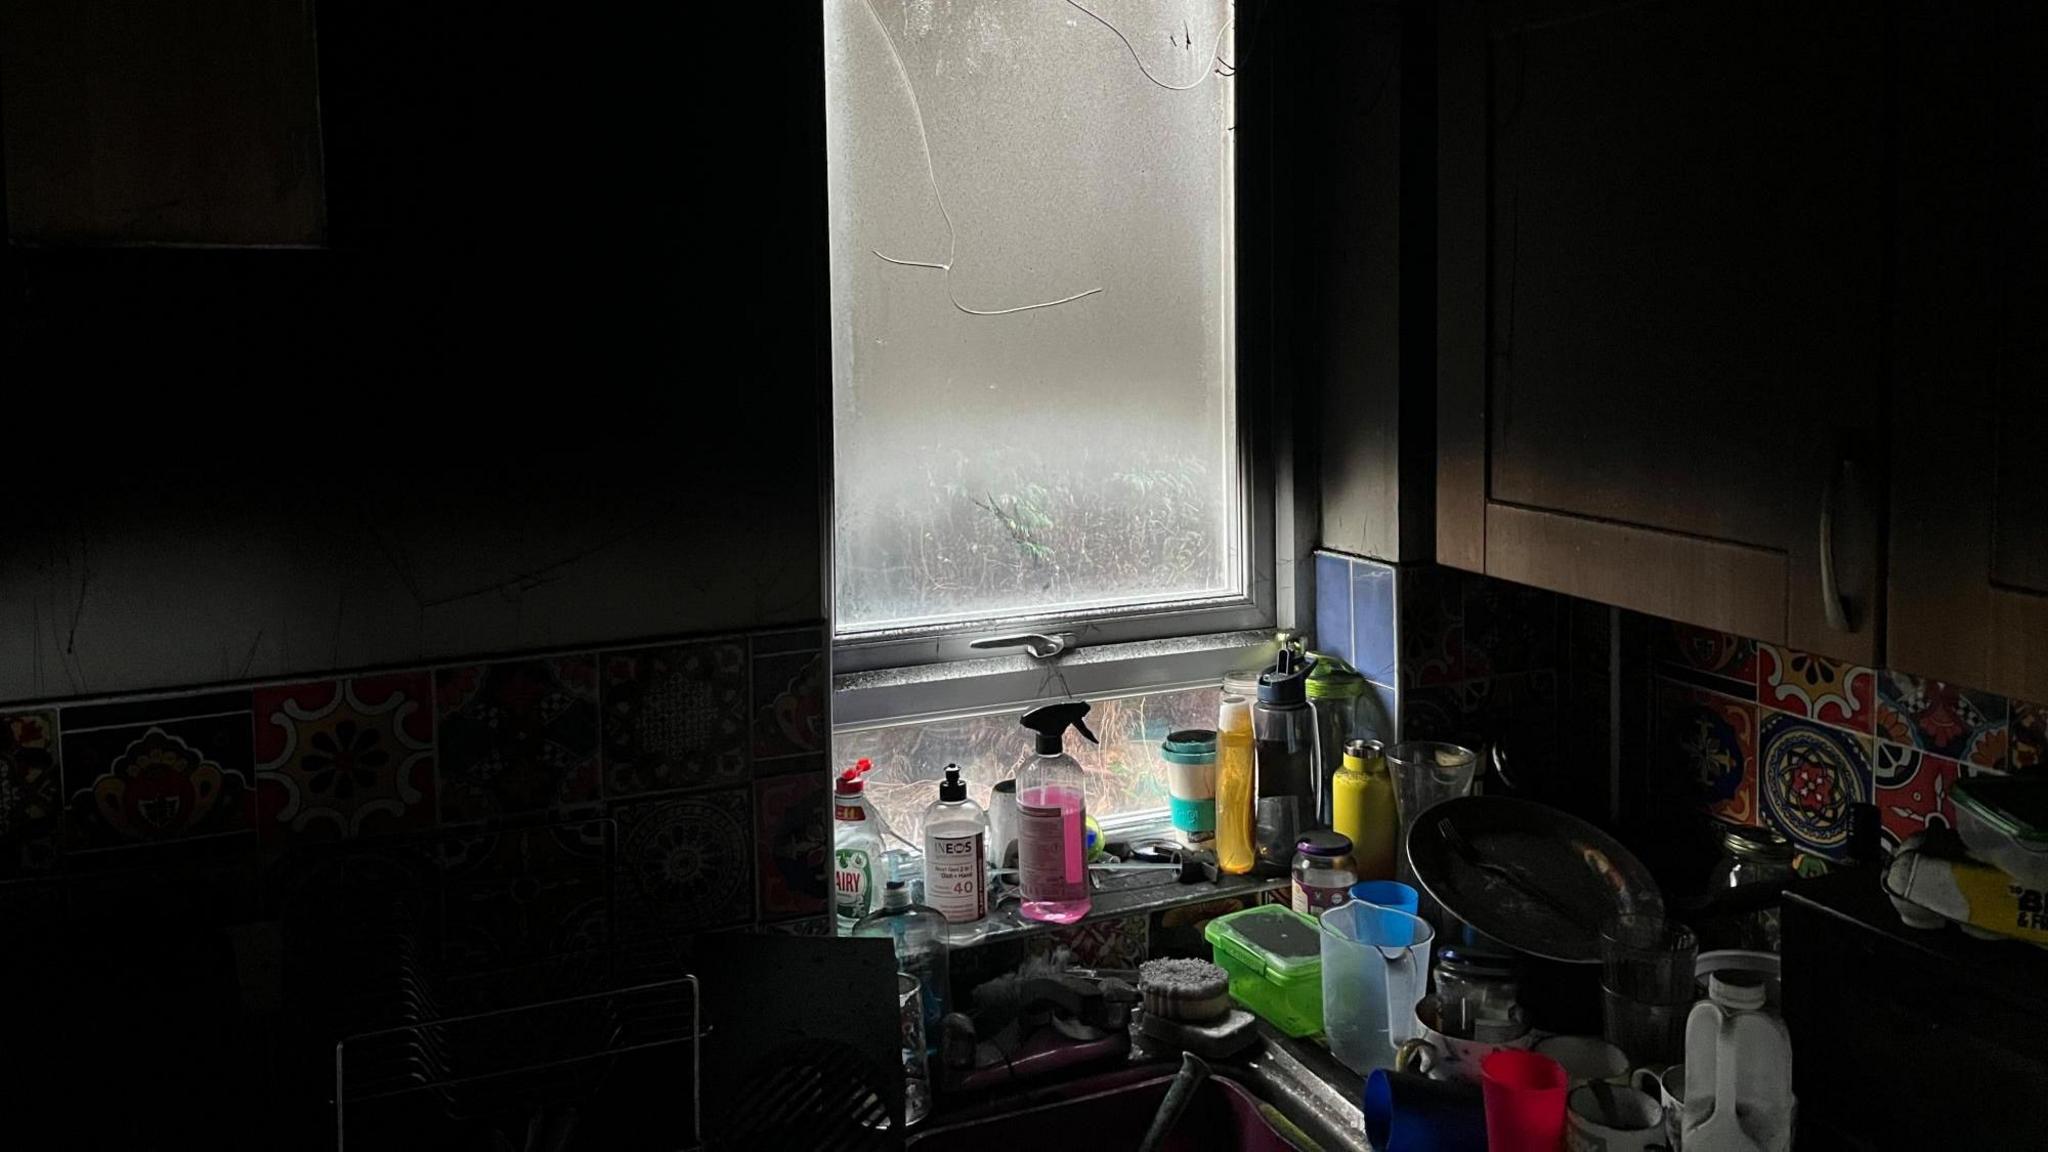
1032, 263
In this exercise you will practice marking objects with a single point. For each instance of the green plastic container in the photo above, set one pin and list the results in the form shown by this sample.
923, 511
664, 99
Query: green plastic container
1275, 959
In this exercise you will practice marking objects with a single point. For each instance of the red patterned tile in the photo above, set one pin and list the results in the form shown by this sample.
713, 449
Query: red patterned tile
792, 838
152, 771
31, 799
1809, 777
1815, 687
1706, 743
517, 736
2028, 749
1912, 791
336, 760
1958, 723
1709, 659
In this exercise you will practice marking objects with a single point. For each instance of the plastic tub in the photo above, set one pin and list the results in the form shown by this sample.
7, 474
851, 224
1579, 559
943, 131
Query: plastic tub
1274, 957
2004, 822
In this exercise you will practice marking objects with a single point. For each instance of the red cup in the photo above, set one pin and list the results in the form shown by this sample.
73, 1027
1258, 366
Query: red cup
1524, 1094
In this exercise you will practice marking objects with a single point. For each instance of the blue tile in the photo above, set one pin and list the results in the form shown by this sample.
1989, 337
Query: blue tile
1333, 605
1378, 710
1372, 620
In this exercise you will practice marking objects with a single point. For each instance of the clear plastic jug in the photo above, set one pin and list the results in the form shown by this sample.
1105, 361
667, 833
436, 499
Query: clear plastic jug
1375, 970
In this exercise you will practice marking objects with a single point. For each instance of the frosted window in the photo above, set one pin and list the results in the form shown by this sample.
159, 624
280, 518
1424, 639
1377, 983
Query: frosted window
1125, 774
1077, 448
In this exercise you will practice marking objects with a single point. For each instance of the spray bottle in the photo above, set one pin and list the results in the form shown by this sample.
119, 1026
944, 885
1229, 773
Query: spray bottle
1051, 818
856, 848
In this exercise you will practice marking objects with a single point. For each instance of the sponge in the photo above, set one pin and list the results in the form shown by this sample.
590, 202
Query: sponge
1191, 991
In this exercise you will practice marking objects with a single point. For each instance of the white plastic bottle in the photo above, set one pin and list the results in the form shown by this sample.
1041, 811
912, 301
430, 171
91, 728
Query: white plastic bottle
856, 849
1738, 1071
956, 859
1052, 818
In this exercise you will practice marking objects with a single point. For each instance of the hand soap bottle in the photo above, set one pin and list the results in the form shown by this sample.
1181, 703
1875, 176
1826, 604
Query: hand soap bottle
956, 859
1051, 818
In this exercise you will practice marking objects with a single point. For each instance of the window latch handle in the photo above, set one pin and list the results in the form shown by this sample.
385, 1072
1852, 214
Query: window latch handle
1037, 644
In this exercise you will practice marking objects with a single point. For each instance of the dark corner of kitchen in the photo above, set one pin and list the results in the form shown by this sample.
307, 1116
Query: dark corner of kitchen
1138, 576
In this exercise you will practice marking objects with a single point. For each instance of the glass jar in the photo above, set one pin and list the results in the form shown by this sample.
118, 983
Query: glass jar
1478, 994
1752, 856
1323, 872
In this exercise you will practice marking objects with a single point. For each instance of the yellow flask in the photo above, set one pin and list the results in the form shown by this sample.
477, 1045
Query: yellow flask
1235, 784
1362, 808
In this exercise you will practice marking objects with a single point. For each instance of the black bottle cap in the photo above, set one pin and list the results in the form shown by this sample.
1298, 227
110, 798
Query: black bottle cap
1052, 721
954, 788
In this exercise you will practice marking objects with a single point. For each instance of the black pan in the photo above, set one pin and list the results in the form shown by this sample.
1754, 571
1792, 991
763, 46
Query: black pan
1533, 878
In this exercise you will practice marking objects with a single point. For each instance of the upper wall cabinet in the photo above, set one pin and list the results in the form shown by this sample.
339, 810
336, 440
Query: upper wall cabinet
1969, 565
1661, 304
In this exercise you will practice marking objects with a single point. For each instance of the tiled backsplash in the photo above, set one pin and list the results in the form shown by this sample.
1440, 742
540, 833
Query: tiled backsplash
1778, 738
533, 805
1461, 657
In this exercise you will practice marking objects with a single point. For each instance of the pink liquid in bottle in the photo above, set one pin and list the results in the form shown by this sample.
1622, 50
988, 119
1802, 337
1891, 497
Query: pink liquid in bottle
1051, 853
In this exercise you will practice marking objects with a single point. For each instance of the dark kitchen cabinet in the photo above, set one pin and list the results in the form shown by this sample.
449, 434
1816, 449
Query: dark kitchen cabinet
1661, 301
1969, 552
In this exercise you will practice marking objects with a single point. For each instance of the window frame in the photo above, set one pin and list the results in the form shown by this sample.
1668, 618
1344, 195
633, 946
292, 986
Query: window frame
931, 671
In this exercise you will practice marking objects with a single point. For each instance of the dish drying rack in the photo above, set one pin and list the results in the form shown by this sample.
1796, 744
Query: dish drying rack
596, 1069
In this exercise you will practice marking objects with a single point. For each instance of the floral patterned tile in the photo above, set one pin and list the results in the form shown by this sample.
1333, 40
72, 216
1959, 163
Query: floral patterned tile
1912, 791
340, 759
1431, 605
1815, 687
31, 796
1508, 628
1957, 723
1706, 744
675, 717
518, 736
1701, 656
154, 771
685, 863
525, 894
2029, 737
789, 703
792, 840
1808, 777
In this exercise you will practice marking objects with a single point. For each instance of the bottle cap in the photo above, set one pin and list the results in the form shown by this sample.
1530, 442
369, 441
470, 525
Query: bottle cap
1052, 721
953, 789
1741, 991
1286, 684
1326, 845
849, 782
1365, 756
1189, 746
1333, 679
895, 895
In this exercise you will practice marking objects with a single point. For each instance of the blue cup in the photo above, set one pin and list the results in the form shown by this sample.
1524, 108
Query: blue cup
1387, 894
1406, 1112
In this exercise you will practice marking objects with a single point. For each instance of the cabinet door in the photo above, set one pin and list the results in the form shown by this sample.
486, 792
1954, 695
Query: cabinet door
1969, 549
1661, 294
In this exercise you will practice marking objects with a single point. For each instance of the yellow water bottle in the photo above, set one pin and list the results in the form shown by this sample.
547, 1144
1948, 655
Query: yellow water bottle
1236, 797
1362, 808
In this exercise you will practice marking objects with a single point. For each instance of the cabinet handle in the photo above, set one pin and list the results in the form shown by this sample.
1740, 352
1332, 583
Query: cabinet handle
1830, 593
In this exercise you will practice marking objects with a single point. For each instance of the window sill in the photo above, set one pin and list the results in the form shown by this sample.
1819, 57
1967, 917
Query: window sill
1128, 894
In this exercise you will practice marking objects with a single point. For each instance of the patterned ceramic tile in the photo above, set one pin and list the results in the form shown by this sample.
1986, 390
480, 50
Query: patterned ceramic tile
1816, 687
792, 840
789, 704
1935, 717
2029, 751
1707, 743
519, 736
1808, 776
158, 770
1508, 628
1431, 713
1119, 943
203, 880
1912, 791
684, 863
675, 717
1333, 605
1372, 620
341, 759
1713, 660
1431, 601
523, 894
31, 796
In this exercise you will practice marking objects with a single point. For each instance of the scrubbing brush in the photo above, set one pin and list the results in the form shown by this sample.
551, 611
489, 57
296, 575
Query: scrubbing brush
1190, 991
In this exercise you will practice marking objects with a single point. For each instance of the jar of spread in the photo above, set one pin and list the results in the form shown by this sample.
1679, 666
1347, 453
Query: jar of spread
1323, 872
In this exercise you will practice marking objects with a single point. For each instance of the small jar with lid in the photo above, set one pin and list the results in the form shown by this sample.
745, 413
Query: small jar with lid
1478, 994
1752, 856
1323, 872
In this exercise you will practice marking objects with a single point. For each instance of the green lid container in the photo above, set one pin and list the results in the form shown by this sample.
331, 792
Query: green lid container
1274, 956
